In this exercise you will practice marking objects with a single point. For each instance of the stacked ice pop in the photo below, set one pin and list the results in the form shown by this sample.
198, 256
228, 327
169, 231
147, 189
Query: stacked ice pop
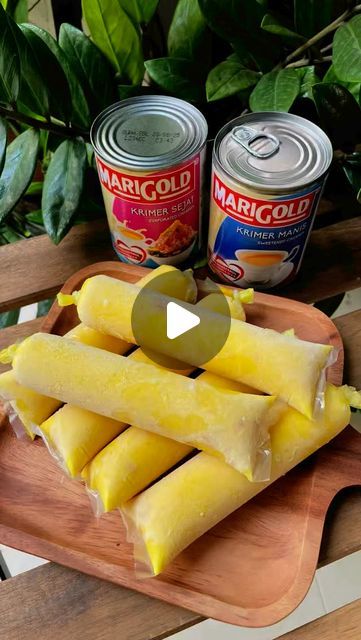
237, 428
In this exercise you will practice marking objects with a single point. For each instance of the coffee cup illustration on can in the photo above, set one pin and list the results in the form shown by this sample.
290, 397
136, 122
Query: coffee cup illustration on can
268, 174
150, 154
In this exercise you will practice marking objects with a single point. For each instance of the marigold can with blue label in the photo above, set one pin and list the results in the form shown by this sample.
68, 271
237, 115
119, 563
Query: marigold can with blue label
268, 173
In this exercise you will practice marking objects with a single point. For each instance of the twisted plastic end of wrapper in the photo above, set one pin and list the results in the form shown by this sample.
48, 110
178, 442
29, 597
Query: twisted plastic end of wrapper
7, 354
192, 290
289, 332
246, 296
67, 299
352, 396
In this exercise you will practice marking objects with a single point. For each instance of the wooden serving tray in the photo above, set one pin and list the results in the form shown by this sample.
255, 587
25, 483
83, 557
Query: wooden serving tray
253, 568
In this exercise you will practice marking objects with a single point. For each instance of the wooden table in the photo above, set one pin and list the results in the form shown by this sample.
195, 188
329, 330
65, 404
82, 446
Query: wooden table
58, 603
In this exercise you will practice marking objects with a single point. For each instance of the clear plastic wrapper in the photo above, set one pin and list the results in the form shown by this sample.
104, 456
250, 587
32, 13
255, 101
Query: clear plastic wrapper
74, 436
136, 458
172, 513
219, 421
277, 364
319, 404
17, 425
128, 465
27, 408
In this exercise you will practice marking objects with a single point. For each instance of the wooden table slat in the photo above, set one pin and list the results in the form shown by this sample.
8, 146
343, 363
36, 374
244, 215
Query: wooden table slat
35, 269
62, 604
342, 624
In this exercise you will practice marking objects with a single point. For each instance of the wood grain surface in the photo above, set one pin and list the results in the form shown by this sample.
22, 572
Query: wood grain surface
332, 263
54, 603
343, 624
34, 499
36, 269
350, 328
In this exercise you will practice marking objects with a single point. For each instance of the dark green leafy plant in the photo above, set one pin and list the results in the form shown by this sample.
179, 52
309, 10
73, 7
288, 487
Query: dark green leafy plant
226, 56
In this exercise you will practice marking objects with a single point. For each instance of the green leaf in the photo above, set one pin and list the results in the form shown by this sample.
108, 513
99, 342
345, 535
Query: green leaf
232, 19
66, 90
238, 22
339, 113
347, 51
352, 87
352, 170
308, 78
9, 318
176, 75
43, 307
129, 90
227, 78
18, 10
139, 11
8, 235
276, 91
92, 69
116, 36
63, 186
57, 87
19, 167
3, 142
35, 217
9, 60
312, 15
271, 24
34, 189
187, 29
330, 75
33, 90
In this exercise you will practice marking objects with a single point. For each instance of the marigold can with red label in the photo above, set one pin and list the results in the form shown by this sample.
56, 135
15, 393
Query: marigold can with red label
268, 173
150, 154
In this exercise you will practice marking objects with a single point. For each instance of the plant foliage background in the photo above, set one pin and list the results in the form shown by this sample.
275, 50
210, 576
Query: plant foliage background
226, 56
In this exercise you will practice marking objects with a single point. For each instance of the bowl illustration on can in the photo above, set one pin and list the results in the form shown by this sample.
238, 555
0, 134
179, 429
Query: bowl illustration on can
174, 244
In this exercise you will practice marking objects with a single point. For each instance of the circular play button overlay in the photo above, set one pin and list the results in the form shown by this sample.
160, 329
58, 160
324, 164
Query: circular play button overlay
176, 334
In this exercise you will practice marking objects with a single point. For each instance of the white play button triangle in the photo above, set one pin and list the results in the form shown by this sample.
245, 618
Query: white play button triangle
179, 320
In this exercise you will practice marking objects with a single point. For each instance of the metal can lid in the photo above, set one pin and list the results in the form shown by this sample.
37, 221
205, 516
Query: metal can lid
148, 132
273, 151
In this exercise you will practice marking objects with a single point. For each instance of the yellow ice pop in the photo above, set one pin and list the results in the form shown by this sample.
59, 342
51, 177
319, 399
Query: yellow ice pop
221, 422
170, 515
94, 338
29, 409
134, 459
278, 364
129, 464
74, 436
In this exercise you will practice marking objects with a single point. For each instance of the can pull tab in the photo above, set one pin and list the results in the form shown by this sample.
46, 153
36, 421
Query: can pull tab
246, 135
